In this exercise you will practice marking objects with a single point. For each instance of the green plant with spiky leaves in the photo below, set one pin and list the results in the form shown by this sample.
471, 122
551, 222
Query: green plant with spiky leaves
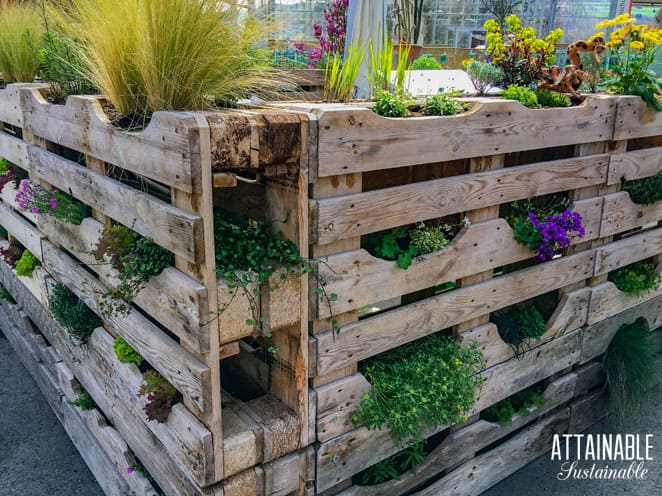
340, 74
20, 40
484, 75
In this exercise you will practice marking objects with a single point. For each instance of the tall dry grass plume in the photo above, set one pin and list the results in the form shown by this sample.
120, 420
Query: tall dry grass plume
148, 55
20, 39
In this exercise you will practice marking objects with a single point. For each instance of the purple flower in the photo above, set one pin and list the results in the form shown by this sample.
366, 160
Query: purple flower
129, 470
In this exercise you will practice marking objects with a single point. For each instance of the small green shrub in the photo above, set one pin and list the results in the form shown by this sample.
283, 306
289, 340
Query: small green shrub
518, 324
523, 94
72, 314
443, 104
522, 402
636, 278
26, 264
390, 104
484, 75
20, 38
4, 166
645, 191
425, 63
630, 369
426, 383
428, 239
125, 353
161, 395
83, 401
548, 98
6, 295
394, 466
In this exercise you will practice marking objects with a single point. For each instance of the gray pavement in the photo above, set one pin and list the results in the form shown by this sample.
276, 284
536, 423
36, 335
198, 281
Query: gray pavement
38, 459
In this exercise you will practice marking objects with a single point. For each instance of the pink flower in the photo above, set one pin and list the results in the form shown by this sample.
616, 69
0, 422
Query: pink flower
35, 210
129, 470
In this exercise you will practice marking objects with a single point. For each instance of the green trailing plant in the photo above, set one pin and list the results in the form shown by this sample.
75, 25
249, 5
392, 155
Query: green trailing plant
630, 369
136, 259
161, 396
391, 104
520, 403
394, 466
484, 75
425, 63
125, 353
20, 38
427, 383
547, 98
523, 94
12, 253
171, 55
72, 314
26, 264
61, 67
6, 295
83, 401
518, 324
636, 278
340, 74
444, 104
645, 191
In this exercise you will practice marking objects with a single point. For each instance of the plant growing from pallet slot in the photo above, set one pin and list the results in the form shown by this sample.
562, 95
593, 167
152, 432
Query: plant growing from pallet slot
519, 324
136, 259
444, 104
546, 229
26, 264
20, 39
394, 466
630, 369
139, 468
6, 295
12, 253
33, 198
3, 233
645, 191
426, 383
125, 353
548, 98
72, 314
83, 401
520, 403
636, 278
161, 396
391, 104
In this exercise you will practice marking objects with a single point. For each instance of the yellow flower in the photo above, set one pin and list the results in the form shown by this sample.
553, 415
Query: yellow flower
600, 34
622, 19
614, 43
637, 45
607, 23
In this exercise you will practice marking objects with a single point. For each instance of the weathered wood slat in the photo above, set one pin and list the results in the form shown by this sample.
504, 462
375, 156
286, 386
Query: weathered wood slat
360, 279
396, 327
190, 376
622, 214
355, 139
628, 250
175, 229
336, 402
363, 213
11, 110
14, 150
634, 119
348, 454
23, 231
172, 298
161, 151
635, 165
607, 300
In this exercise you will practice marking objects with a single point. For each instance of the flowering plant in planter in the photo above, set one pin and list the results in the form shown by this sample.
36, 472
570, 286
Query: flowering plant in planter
33, 198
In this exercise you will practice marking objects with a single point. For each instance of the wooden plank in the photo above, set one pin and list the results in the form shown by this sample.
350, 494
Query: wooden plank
363, 213
14, 150
175, 229
237, 311
23, 231
355, 139
635, 165
394, 328
348, 454
162, 151
11, 110
173, 299
588, 410
186, 373
482, 472
634, 119
622, 214
628, 250
607, 300
336, 402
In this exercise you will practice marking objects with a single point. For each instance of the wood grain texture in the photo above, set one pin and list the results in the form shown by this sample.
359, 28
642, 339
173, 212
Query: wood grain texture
190, 376
607, 300
11, 110
355, 139
394, 328
161, 151
336, 402
360, 279
628, 250
635, 120
622, 214
635, 165
172, 298
363, 213
177, 230
23, 231
14, 150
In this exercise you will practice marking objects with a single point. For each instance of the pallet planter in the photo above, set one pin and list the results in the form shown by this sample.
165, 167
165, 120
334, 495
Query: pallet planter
330, 176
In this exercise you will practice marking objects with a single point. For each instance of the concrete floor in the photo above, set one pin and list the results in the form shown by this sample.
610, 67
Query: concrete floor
38, 459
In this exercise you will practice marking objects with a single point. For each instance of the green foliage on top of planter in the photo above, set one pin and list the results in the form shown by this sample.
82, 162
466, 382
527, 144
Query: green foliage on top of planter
645, 191
72, 314
425, 63
484, 75
391, 104
83, 401
392, 467
20, 39
521, 403
426, 383
523, 94
26, 264
548, 98
636, 278
444, 104
517, 324
125, 353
